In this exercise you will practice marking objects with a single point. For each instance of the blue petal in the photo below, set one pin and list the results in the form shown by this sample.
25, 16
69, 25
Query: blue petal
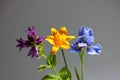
81, 42
89, 40
85, 41
86, 31
94, 49
74, 48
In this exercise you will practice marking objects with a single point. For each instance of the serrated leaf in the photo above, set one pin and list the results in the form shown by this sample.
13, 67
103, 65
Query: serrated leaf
64, 74
42, 67
76, 72
50, 77
51, 60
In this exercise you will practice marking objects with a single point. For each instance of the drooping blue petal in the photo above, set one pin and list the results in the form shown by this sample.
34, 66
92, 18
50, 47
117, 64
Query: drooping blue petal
94, 49
85, 31
75, 48
89, 40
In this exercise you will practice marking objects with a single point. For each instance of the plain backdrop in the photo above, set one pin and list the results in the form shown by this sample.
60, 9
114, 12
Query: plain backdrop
101, 15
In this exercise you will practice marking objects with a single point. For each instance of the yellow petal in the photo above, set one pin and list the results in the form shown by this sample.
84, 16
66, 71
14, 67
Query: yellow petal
70, 37
65, 46
50, 39
54, 31
65, 42
54, 49
63, 30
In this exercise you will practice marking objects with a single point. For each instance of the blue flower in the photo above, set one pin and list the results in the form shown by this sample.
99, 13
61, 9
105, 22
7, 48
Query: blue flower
86, 40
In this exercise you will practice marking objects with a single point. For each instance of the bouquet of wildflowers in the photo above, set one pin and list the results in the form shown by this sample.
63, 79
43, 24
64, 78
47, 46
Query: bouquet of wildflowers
60, 41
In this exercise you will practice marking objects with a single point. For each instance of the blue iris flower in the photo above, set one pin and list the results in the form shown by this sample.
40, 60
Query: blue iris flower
86, 40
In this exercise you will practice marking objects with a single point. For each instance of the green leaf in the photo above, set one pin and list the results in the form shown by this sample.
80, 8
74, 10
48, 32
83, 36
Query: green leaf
42, 67
51, 60
40, 50
50, 77
41, 45
64, 74
76, 72
40, 53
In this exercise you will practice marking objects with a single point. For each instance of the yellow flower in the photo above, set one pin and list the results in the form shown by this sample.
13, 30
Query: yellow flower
59, 39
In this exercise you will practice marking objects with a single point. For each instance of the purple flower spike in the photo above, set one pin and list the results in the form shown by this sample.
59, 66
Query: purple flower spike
33, 52
33, 42
39, 40
31, 32
21, 44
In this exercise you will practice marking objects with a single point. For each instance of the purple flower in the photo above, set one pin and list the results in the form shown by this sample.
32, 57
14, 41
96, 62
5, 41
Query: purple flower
85, 40
21, 44
31, 32
33, 52
33, 41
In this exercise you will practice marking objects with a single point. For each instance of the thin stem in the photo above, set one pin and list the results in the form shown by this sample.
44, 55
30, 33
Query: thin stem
64, 58
56, 72
82, 67
65, 63
53, 68
82, 63
44, 56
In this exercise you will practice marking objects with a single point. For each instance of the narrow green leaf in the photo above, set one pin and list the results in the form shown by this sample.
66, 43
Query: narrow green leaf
51, 60
50, 77
42, 67
77, 74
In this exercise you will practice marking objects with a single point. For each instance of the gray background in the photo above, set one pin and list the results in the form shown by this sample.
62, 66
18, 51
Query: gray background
102, 15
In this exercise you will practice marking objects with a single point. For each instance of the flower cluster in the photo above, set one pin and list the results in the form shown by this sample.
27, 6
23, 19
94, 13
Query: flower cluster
60, 40
33, 41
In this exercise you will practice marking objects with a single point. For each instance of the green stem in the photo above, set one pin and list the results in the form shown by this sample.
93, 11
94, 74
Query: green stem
65, 63
64, 58
82, 67
44, 56
82, 63
53, 68
56, 72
